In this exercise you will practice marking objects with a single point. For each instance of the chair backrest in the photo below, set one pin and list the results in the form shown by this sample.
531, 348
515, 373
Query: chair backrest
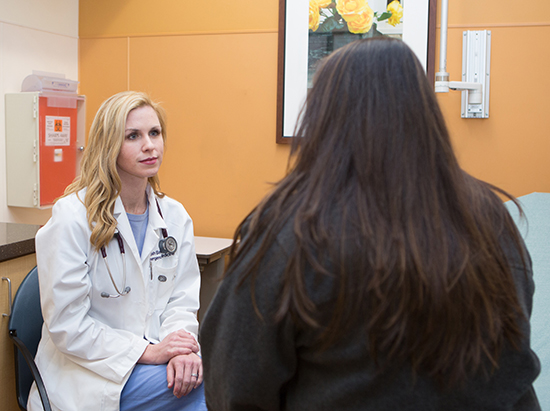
26, 324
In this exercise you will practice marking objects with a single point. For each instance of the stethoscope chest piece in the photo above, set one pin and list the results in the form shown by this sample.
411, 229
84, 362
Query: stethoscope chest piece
168, 245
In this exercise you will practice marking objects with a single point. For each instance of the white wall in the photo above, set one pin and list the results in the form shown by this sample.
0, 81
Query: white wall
34, 35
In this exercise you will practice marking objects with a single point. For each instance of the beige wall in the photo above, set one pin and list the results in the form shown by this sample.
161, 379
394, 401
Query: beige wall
34, 35
213, 64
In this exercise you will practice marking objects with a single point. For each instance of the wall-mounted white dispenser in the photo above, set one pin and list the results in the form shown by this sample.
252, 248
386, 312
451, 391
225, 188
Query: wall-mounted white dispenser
45, 135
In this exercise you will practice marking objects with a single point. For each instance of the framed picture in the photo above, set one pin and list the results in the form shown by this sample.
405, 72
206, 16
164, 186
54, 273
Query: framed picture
311, 29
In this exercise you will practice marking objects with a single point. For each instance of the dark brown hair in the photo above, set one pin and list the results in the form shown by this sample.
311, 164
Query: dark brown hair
374, 176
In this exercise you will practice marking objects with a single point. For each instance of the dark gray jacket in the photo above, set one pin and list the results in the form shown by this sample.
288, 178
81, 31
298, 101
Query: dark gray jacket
255, 364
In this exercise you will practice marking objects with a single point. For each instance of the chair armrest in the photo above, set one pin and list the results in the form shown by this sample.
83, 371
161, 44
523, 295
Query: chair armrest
34, 370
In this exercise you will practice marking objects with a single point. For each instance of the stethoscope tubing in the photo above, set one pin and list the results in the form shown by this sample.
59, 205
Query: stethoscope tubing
167, 245
126, 289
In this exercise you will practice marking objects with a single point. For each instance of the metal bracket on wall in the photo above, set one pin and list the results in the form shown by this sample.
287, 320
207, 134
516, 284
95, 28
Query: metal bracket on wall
476, 68
476, 73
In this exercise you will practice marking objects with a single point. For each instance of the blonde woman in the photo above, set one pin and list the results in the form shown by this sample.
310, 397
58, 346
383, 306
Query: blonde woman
119, 280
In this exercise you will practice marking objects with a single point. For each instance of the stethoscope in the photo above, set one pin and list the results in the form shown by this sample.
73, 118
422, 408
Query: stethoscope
167, 246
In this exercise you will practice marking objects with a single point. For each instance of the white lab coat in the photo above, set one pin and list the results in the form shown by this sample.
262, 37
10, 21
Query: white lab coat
90, 344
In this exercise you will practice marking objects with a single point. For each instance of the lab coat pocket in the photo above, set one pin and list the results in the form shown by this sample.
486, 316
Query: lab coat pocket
164, 277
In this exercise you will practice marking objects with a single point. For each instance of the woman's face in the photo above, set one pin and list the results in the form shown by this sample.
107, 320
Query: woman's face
143, 147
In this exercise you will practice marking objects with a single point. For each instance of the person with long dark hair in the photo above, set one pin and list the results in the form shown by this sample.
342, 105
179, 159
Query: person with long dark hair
377, 274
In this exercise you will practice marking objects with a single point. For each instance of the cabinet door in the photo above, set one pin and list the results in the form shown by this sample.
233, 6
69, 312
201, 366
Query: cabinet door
58, 146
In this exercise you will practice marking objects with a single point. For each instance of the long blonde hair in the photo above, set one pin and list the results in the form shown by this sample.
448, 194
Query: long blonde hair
98, 171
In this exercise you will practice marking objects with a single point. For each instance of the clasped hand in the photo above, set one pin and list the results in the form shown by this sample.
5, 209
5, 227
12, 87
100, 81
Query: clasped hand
184, 367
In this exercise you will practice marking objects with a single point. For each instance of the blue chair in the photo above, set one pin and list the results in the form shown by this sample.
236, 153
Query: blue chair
25, 330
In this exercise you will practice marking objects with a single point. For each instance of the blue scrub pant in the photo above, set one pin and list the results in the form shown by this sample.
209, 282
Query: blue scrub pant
147, 390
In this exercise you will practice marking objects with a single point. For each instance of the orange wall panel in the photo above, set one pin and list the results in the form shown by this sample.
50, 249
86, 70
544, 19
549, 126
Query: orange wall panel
213, 65
103, 71
493, 12
220, 95
106, 18
509, 148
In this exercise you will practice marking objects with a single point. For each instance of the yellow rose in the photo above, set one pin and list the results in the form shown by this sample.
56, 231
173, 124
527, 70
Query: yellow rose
313, 15
363, 23
324, 3
396, 10
351, 10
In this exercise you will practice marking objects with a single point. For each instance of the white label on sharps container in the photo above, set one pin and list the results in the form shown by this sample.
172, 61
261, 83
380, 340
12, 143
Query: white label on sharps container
58, 131
57, 155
